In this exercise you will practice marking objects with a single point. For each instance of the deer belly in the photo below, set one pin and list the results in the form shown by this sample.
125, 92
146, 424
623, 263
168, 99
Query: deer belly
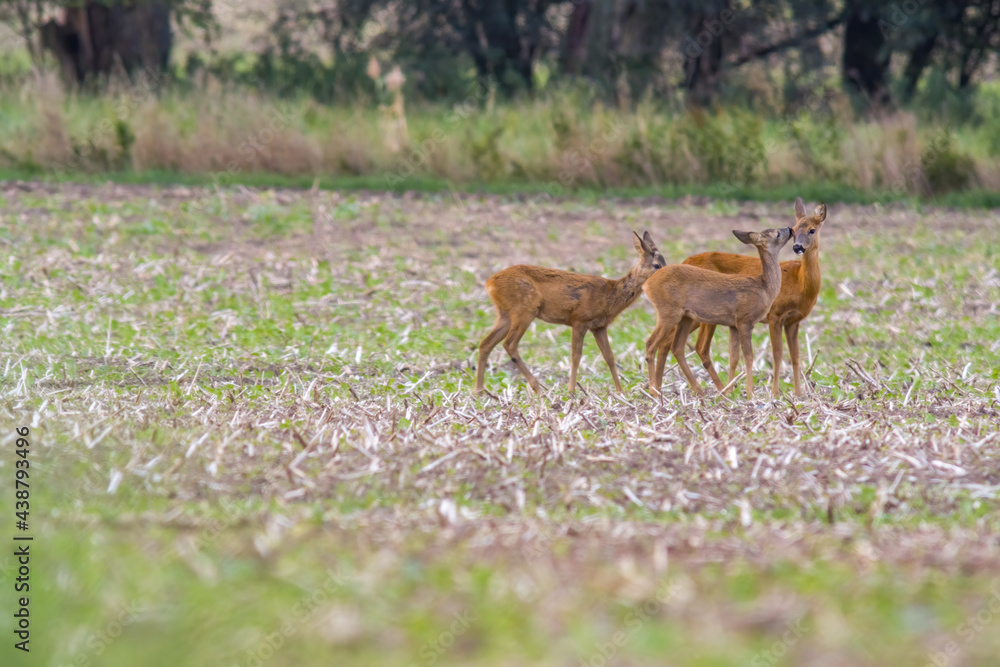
720, 313
554, 314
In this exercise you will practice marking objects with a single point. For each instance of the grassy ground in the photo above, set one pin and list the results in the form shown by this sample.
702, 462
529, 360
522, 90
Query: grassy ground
253, 440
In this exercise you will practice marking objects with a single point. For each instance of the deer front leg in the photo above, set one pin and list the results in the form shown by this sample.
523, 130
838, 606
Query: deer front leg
792, 334
704, 349
601, 336
774, 330
746, 344
576, 351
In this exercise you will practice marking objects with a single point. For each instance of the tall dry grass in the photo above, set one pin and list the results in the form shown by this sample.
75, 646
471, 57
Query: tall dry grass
560, 141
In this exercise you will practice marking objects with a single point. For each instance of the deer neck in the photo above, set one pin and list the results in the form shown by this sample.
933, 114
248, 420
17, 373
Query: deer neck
771, 275
809, 275
625, 291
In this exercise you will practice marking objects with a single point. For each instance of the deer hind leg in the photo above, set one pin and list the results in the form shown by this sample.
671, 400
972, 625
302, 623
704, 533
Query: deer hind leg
746, 344
775, 334
663, 333
663, 353
704, 349
576, 351
601, 336
792, 334
734, 353
492, 339
517, 329
680, 340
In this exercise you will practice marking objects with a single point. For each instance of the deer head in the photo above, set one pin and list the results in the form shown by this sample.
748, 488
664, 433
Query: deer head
769, 238
650, 258
806, 230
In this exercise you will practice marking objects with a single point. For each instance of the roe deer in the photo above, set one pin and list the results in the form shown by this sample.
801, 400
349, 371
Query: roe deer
800, 283
585, 303
684, 294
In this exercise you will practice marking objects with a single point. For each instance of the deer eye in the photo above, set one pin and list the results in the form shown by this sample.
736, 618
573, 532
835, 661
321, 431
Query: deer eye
812, 231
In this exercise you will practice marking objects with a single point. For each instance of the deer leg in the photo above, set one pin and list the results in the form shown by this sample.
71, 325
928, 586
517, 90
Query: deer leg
653, 344
704, 349
792, 334
680, 340
576, 351
662, 353
747, 346
775, 334
493, 338
734, 352
517, 330
601, 336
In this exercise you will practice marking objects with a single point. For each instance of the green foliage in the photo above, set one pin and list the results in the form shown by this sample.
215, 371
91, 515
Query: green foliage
728, 144
946, 168
817, 142
483, 143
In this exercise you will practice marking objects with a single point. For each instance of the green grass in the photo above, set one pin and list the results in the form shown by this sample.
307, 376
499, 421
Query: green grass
233, 394
821, 192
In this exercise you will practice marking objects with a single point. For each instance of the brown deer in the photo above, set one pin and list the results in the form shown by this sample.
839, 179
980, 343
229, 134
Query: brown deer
586, 303
684, 294
800, 283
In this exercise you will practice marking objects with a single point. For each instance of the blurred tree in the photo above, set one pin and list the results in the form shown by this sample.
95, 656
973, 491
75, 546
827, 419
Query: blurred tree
865, 63
95, 37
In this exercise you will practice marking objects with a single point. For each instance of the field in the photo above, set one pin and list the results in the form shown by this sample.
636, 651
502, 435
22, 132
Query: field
253, 440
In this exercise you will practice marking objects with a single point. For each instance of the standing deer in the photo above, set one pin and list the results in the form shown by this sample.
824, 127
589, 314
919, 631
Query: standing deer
800, 283
585, 303
683, 295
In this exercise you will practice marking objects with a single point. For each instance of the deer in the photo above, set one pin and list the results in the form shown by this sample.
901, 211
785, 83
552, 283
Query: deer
683, 295
800, 283
585, 303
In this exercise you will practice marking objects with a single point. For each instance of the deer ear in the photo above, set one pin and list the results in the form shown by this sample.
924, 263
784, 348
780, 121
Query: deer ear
648, 240
800, 208
745, 237
820, 214
637, 241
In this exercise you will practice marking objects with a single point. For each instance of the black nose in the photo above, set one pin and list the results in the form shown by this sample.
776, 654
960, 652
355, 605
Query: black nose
798, 249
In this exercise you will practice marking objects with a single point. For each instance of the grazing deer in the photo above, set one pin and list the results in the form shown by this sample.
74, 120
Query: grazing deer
684, 294
800, 283
585, 303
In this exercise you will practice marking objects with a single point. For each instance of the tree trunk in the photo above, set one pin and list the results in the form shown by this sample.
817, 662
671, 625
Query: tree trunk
703, 58
575, 42
97, 38
920, 57
866, 57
